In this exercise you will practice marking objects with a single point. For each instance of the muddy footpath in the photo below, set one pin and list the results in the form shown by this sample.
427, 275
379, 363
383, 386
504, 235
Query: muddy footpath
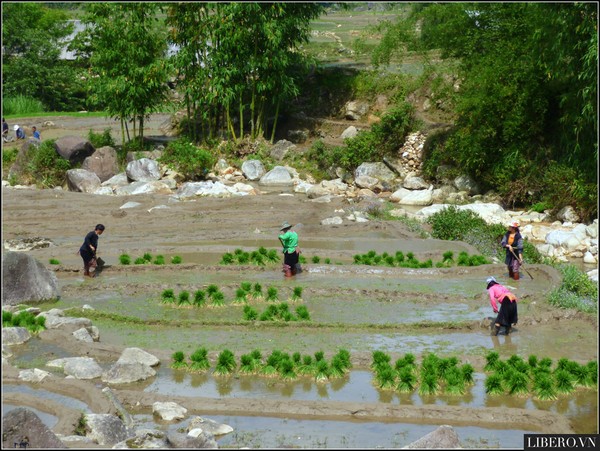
356, 307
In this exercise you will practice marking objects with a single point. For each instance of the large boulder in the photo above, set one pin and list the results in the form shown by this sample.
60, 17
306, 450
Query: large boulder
137, 355
103, 162
78, 367
253, 169
355, 110
22, 428
25, 280
105, 429
126, 373
277, 176
413, 197
444, 437
82, 181
281, 148
15, 335
210, 426
74, 148
143, 170
378, 170
466, 183
169, 411
142, 187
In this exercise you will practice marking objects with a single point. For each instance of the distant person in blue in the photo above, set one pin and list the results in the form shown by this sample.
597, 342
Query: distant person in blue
36, 134
19, 132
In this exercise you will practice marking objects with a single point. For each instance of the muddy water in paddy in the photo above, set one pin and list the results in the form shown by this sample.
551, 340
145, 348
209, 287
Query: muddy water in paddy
359, 308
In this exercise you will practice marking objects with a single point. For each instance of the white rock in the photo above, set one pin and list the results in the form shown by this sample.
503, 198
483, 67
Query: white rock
589, 258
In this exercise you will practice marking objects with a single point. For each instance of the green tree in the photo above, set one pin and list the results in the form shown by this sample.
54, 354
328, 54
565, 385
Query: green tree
128, 65
32, 36
527, 100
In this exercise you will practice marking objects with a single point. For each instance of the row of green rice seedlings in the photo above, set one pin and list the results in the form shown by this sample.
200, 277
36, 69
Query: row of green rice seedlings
372, 258
435, 375
199, 299
24, 319
316, 260
277, 312
125, 259
515, 376
248, 292
277, 364
260, 257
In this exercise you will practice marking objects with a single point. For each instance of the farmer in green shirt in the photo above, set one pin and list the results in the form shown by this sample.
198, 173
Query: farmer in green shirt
291, 252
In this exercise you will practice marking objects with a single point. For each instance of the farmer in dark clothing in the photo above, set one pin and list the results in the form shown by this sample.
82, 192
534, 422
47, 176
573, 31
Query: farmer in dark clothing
88, 249
512, 241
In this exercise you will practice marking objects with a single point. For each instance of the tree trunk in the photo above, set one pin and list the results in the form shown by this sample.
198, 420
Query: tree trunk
275, 121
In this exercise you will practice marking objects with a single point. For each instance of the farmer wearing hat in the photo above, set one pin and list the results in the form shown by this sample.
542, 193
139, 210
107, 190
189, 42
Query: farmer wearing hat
512, 241
504, 303
19, 132
291, 253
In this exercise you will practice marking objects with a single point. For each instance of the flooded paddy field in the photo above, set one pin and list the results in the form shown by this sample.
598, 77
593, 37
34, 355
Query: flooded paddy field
356, 307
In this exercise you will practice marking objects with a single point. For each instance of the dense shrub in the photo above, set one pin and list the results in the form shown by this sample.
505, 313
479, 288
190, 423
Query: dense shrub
101, 139
190, 161
576, 291
45, 167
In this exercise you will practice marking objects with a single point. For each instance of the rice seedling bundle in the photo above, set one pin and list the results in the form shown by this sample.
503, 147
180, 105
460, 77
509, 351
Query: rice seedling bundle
124, 259
199, 298
273, 256
250, 314
463, 259
532, 361
272, 294
302, 312
582, 375
399, 257
446, 365
199, 359
407, 380
337, 367
379, 358
178, 360
240, 295
176, 260
385, 377
357, 259
54, 261
344, 356
377, 259
263, 251
237, 252
321, 371
244, 258
316, 259
246, 286
147, 256
467, 372
6, 317
371, 253
256, 355
225, 363
448, 256
266, 316
247, 364
543, 387
211, 290
297, 358
319, 355
306, 367
286, 369
257, 293
139, 261
545, 363
227, 258
455, 383
184, 298
218, 299
429, 384
491, 359
297, 294
168, 296
517, 383
494, 385
159, 260
592, 367
564, 381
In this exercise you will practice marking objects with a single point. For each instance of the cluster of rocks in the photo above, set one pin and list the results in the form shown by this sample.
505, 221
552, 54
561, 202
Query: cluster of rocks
115, 430
397, 180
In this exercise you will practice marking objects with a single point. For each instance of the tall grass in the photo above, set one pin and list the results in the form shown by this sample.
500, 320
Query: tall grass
576, 291
20, 105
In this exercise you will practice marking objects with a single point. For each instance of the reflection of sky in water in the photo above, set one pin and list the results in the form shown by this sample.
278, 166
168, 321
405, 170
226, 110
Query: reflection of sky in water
269, 432
355, 387
48, 419
44, 394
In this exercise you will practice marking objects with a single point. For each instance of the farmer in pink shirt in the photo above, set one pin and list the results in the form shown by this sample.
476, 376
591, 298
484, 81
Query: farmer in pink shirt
504, 304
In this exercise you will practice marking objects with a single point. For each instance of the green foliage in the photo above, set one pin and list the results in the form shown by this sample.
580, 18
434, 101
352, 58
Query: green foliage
199, 359
101, 139
32, 35
178, 362
125, 259
176, 260
21, 105
576, 291
190, 161
44, 166
28, 320
159, 260
148, 257
139, 261
225, 363
54, 261
316, 259
199, 298
250, 313
128, 71
184, 298
527, 97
